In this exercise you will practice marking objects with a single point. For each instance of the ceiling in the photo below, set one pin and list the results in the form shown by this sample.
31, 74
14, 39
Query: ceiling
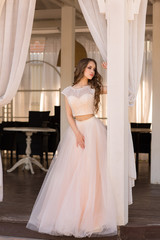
47, 19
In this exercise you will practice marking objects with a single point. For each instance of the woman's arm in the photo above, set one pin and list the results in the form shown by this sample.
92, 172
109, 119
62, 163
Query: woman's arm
79, 137
104, 88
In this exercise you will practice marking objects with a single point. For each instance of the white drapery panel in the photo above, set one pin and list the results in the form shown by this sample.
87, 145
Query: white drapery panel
93, 11
136, 12
39, 74
97, 24
15, 30
137, 16
136, 48
1, 5
133, 8
142, 109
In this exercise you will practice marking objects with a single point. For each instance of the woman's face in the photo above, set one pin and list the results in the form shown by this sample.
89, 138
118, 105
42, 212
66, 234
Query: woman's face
89, 71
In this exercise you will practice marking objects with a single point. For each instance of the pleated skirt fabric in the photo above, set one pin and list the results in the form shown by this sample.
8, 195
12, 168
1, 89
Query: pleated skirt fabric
76, 196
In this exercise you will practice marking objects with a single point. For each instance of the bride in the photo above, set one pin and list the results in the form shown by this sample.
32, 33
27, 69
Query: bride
76, 196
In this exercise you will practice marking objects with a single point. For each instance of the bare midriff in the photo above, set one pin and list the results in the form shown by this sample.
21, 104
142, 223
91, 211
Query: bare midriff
83, 117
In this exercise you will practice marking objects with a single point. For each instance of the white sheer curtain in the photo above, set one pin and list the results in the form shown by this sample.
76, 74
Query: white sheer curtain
97, 24
136, 47
15, 30
137, 17
39, 88
96, 11
141, 111
1, 5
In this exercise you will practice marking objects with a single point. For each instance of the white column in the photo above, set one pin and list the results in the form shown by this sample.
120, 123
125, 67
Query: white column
67, 55
155, 155
118, 104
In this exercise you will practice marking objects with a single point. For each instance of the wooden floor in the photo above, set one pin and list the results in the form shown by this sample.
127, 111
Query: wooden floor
146, 207
21, 189
144, 213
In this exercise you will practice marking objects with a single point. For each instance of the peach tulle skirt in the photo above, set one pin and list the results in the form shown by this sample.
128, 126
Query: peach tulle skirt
76, 196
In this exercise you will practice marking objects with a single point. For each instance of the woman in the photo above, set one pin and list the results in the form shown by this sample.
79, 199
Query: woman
76, 196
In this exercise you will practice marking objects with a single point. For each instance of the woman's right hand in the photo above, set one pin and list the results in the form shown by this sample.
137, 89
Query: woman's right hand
80, 140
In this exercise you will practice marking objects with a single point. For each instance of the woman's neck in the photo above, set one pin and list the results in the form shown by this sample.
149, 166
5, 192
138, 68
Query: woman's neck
83, 82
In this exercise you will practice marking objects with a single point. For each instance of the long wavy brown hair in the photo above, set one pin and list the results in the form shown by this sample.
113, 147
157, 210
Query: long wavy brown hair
95, 82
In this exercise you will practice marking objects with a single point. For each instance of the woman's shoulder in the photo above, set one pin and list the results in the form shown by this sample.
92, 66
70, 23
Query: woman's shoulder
66, 91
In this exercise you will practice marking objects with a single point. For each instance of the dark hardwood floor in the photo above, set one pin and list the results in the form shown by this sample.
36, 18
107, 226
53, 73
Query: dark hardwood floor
144, 213
146, 199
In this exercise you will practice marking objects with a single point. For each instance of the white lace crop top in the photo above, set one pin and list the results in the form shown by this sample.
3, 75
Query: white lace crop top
81, 100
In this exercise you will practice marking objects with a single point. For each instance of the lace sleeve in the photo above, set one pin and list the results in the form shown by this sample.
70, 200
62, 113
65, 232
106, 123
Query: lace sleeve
66, 92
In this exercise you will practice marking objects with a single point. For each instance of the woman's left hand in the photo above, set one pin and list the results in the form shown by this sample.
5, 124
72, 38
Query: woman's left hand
104, 65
